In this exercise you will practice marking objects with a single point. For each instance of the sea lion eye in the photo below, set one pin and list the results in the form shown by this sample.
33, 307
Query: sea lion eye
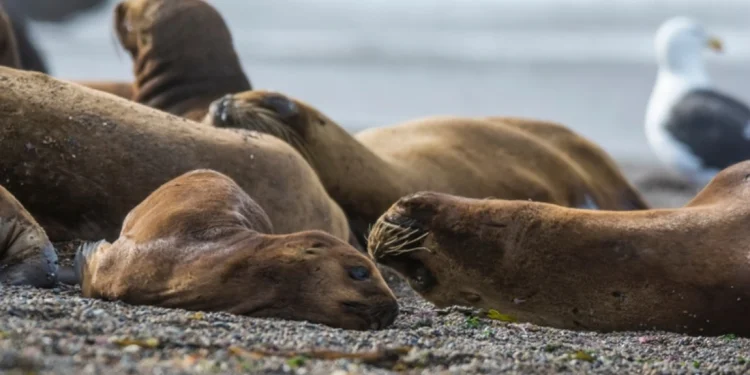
422, 279
359, 273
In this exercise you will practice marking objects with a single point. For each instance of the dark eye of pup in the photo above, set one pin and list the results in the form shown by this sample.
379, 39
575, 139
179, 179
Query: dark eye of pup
359, 273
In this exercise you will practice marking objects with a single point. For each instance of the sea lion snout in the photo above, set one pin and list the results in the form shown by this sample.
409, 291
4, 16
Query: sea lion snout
415, 210
377, 316
219, 111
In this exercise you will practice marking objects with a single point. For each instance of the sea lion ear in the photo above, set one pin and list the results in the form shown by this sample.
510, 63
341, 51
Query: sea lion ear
282, 105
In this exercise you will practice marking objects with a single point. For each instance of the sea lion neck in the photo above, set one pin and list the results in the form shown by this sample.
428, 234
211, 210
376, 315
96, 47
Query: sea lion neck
350, 171
178, 85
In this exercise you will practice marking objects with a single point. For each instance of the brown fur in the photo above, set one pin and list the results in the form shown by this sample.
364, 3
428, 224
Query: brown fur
199, 242
183, 54
602, 171
684, 270
122, 89
9, 54
26, 254
470, 157
80, 159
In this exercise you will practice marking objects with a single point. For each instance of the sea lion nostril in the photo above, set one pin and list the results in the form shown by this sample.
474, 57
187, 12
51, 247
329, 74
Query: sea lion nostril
412, 212
220, 109
404, 221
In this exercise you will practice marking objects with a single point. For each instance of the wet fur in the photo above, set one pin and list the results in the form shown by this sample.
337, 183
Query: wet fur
80, 159
683, 270
183, 54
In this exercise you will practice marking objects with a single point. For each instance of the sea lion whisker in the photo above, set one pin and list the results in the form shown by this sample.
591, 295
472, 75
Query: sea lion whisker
397, 252
404, 240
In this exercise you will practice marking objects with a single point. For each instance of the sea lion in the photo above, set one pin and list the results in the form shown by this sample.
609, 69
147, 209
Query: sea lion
199, 242
183, 54
122, 89
683, 270
26, 254
9, 54
80, 159
601, 168
472, 157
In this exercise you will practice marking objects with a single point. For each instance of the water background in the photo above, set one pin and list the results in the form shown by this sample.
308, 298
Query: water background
588, 63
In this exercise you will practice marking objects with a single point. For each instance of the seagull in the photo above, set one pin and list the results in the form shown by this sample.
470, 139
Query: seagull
691, 127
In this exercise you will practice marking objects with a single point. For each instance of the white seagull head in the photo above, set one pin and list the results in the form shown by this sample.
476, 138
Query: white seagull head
680, 42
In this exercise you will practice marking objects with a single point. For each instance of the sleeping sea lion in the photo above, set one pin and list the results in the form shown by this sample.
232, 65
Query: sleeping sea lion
682, 270
26, 254
80, 160
470, 157
199, 242
183, 54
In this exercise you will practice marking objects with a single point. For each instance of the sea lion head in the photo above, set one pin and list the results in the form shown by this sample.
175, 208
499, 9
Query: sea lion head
27, 257
445, 246
273, 113
170, 27
319, 278
182, 50
8, 46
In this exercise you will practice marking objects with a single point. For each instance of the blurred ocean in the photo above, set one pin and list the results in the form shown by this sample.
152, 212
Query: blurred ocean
586, 63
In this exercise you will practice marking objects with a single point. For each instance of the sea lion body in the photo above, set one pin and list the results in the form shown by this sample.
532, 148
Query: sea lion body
683, 270
601, 169
80, 160
183, 54
470, 157
26, 254
199, 242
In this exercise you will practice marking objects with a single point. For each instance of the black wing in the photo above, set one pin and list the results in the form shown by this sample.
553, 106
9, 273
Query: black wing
713, 126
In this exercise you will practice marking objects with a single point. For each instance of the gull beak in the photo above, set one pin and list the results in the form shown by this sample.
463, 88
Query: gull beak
715, 44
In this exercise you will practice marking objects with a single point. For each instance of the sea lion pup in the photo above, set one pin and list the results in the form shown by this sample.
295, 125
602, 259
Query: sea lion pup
80, 160
470, 157
122, 89
26, 254
9, 54
683, 270
183, 54
199, 242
